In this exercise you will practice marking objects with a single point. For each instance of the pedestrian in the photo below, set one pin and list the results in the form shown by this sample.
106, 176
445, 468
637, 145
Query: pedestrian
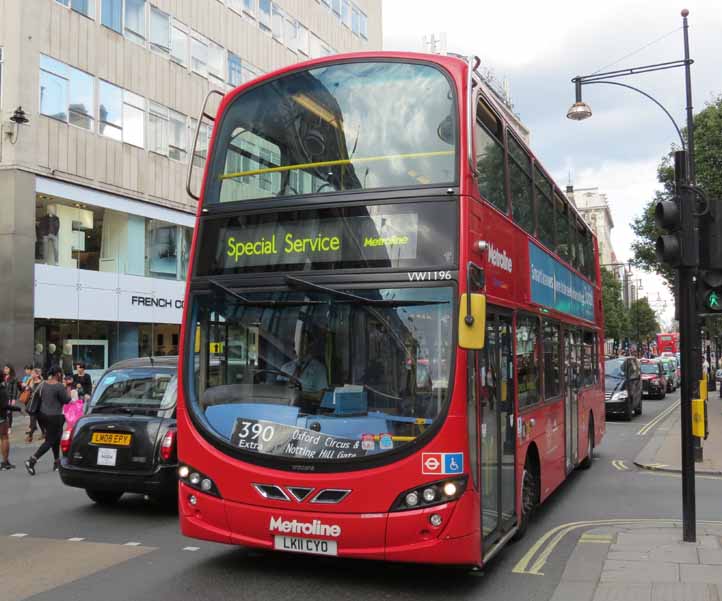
4, 429
83, 381
36, 383
12, 388
50, 417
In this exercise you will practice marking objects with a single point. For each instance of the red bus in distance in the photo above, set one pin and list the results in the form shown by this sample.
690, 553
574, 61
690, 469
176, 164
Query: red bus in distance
392, 340
668, 343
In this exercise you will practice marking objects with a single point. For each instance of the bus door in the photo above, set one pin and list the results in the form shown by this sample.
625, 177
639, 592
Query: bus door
498, 443
571, 400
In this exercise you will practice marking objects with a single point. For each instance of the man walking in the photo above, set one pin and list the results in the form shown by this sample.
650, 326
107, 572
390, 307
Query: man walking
53, 396
82, 381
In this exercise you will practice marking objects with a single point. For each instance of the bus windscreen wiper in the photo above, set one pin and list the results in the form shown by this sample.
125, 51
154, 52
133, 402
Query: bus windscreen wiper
349, 297
260, 303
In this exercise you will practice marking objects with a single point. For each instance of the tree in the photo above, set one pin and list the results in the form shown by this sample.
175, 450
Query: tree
615, 315
643, 325
708, 166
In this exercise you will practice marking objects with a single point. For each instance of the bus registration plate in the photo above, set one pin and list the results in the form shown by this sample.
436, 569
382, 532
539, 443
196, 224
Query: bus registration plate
305, 545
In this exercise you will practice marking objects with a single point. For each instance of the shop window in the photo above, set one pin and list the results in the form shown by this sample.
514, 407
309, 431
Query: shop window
159, 30
527, 360
162, 249
67, 235
552, 360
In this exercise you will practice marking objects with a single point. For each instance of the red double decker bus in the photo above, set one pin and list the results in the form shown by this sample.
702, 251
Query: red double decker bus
668, 343
392, 342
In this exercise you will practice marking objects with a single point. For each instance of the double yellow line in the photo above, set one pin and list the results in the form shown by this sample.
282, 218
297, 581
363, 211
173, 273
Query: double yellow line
618, 464
536, 557
645, 429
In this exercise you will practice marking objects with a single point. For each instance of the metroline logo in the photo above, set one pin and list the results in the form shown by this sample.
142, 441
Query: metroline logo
296, 527
500, 259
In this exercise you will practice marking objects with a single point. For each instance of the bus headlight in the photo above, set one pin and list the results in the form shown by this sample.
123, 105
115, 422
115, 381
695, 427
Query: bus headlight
197, 480
434, 493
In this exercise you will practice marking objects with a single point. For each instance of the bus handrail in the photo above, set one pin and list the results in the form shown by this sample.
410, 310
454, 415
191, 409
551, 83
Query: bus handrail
189, 174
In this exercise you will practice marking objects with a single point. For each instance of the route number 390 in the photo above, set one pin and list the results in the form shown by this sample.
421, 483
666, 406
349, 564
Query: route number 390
254, 431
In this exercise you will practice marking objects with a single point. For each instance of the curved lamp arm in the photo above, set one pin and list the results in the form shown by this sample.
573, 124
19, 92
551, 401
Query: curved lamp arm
666, 112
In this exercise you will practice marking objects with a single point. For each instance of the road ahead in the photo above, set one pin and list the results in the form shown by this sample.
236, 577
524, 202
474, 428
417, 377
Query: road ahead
57, 545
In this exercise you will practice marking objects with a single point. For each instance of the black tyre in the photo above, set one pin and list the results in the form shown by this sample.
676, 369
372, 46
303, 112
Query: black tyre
587, 461
529, 497
103, 497
639, 409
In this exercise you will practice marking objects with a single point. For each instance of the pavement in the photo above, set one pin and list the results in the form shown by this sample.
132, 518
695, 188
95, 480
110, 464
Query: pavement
637, 562
663, 452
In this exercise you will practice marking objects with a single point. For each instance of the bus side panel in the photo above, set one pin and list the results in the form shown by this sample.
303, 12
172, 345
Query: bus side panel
545, 427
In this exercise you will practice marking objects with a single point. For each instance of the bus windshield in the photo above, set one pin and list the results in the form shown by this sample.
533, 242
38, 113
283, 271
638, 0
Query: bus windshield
321, 376
348, 126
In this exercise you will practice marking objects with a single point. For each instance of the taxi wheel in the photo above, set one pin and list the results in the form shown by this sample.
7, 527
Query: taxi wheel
103, 497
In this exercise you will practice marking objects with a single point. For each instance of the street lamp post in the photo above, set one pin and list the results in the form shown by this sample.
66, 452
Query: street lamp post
689, 335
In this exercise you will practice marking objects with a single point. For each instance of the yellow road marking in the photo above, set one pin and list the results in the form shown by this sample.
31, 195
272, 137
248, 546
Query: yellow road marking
555, 536
648, 426
619, 464
677, 475
388, 157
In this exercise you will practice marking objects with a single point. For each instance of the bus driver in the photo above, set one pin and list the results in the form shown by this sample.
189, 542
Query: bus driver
307, 366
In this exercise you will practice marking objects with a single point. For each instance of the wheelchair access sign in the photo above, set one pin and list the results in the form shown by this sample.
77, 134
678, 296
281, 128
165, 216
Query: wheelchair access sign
442, 463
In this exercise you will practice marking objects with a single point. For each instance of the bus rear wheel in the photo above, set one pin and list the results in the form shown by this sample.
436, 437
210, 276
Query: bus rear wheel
529, 497
587, 461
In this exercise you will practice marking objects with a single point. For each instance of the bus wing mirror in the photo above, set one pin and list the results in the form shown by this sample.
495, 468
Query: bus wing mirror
472, 331
211, 117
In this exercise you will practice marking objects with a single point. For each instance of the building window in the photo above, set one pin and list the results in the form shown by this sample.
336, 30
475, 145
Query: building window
264, 14
199, 54
133, 118
157, 128
66, 93
235, 70
111, 15
178, 142
216, 60
159, 30
346, 13
527, 359
363, 21
110, 110
179, 43
277, 23
235, 5
84, 7
250, 7
135, 20
356, 21
1, 77
302, 39
336, 7
289, 33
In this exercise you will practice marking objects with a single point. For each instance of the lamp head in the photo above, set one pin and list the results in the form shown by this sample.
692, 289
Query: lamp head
579, 111
19, 117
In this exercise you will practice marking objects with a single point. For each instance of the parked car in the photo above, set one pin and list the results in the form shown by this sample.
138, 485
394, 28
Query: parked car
126, 441
670, 370
623, 387
654, 378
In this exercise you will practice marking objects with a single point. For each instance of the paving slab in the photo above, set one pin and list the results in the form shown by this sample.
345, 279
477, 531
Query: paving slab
586, 562
710, 556
685, 591
708, 541
623, 592
711, 574
574, 591
640, 571
648, 538
676, 553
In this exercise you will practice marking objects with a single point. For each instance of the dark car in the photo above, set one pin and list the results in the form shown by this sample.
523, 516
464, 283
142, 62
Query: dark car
654, 378
622, 387
670, 370
126, 441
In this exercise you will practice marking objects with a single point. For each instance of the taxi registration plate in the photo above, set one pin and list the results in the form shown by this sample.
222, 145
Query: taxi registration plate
314, 546
112, 438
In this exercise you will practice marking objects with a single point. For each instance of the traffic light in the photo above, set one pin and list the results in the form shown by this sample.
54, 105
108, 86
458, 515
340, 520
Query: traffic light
709, 292
679, 247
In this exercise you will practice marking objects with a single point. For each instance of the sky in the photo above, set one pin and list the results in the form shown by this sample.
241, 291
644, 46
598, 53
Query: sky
539, 46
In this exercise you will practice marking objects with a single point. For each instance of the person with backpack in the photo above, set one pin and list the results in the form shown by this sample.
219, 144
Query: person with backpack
12, 387
52, 396
4, 428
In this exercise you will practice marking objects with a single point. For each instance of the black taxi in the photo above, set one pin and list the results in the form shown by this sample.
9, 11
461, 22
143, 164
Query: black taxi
126, 441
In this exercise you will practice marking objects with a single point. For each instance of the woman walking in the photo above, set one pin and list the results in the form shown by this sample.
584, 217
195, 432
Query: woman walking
35, 385
53, 396
13, 391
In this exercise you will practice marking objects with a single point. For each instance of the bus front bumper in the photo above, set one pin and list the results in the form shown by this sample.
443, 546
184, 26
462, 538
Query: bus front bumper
407, 536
